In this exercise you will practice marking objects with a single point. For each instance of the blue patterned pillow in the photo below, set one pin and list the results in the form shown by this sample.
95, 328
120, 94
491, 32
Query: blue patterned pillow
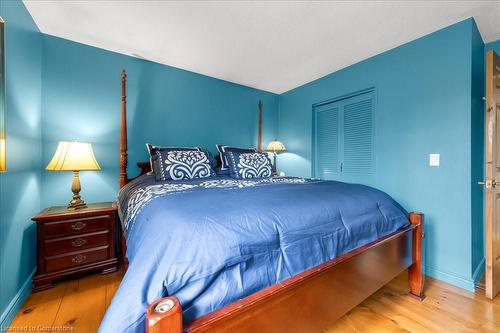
182, 164
153, 150
249, 165
223, 150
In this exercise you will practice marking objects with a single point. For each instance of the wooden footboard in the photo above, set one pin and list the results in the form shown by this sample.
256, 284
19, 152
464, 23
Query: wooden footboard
309, 301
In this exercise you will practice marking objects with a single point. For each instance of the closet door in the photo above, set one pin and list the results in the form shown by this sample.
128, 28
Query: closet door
327, 142
343, 139
358, 139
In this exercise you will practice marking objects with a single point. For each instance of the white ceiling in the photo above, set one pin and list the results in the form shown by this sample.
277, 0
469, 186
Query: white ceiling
272, 45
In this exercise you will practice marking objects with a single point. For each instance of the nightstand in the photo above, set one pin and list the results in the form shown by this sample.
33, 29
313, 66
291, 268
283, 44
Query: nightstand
74, 242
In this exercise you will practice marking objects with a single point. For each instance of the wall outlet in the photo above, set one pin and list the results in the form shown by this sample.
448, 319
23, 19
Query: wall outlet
434, 159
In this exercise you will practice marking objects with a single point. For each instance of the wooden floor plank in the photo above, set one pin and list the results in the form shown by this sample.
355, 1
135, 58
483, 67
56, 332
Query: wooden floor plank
82, 310
42, 314
484, 313
341, 325
83, 307
407, 323
364, 319
40, 309
111, 286
427, 316
80, 305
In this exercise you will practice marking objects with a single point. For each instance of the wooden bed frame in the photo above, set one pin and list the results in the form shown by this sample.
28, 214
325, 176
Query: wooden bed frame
307, 302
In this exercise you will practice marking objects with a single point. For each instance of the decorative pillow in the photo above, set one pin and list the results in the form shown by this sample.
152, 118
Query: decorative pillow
249, 165
223, 150
152, 150
181, 164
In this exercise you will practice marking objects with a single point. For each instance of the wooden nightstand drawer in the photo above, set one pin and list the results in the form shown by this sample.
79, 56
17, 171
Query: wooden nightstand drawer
77, 258
76, 226
75, 243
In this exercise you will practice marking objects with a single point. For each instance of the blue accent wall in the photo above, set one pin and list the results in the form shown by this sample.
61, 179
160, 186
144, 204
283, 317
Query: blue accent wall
428, 99
166, 106
20, 185
81, 101
495, 46
424, 105
477, 153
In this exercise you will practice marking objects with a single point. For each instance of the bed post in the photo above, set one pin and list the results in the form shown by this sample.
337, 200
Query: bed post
164, 316
123, 156
415, 272
259, 134
123, 134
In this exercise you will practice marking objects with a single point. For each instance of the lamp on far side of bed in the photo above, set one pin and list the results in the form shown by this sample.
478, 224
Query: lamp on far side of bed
74, 156
275, 147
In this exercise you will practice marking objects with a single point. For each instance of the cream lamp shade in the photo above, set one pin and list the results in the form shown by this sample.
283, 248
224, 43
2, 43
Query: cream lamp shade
275, 147
73, 156
76, 157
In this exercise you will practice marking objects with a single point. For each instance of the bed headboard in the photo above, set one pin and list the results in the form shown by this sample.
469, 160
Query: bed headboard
145, 166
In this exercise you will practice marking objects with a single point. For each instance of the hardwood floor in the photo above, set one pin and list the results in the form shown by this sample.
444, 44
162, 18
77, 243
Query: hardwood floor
78, 306
71, 306
445, 309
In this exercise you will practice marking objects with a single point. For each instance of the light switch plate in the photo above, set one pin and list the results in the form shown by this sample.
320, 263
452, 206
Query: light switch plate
434, 159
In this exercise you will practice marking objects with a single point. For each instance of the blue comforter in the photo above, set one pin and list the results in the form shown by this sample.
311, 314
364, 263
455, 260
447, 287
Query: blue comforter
212, 241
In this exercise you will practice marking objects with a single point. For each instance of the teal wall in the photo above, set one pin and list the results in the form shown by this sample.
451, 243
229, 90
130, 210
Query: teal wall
20, 185
495, 46
429, 100
424, 102
166, 106
81, 101
477, 153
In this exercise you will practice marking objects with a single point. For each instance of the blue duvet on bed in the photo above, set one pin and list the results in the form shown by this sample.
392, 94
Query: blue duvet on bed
212, 241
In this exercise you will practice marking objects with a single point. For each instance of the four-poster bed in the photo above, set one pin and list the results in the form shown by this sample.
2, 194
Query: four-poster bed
308, 301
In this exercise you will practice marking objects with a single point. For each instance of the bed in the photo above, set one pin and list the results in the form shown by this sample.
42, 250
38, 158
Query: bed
269, 255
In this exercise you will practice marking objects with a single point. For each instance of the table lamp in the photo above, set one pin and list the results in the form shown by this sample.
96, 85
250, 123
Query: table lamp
76, 157
275, 147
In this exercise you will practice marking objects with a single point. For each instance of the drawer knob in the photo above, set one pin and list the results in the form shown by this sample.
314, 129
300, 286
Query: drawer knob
78, 225
78, 242
78, 259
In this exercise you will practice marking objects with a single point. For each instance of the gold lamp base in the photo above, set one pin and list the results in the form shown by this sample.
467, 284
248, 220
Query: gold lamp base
77, 202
